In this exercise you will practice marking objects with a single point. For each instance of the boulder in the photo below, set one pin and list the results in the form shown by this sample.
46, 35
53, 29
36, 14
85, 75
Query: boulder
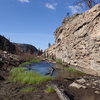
81, 81
76, 85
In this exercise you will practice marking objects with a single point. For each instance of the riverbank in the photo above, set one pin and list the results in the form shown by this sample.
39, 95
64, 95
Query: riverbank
83, 88
76, 85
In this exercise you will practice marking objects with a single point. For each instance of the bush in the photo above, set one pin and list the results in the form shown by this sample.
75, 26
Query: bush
26, 57
22, 76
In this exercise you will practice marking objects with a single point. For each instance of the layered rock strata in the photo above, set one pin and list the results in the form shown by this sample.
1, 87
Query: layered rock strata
77, 41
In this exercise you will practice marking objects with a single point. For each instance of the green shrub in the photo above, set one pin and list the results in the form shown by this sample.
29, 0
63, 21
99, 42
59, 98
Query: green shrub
49, 90
26, 90
22, 76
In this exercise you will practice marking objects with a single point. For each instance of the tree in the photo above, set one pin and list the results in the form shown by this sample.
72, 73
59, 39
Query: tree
67, 14
6, 45
40, 52
49, 44
89, 3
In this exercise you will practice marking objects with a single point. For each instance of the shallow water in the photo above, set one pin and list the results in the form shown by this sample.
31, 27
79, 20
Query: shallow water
42, 68
80, 94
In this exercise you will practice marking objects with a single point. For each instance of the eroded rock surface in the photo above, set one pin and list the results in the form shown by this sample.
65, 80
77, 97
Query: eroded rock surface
77, 41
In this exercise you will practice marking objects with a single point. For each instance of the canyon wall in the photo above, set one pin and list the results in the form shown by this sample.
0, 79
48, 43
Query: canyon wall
77, 41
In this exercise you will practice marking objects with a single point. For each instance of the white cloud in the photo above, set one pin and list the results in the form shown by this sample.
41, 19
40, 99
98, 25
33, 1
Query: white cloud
75, 9
24, 1
51, 6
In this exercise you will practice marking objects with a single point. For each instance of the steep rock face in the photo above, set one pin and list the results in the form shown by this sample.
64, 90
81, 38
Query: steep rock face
77, 41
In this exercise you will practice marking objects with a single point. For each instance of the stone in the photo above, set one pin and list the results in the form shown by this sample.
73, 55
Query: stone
88, 84
76, 85
97, 92
93, 87
94, 83
97, 81
77, 41
81, 81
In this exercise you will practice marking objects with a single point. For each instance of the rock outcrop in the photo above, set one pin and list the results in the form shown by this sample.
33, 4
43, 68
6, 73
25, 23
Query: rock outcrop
77, 41
7, 61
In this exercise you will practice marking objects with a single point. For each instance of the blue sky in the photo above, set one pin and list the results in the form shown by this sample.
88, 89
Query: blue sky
33, 21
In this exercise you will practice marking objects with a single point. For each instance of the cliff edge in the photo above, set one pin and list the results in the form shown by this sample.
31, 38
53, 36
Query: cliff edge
77, 41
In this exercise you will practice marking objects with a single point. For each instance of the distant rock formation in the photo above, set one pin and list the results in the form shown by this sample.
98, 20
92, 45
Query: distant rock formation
77, 41
16, 48
26, 48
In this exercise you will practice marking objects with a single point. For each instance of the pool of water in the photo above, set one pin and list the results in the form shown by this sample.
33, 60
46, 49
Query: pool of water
42, 68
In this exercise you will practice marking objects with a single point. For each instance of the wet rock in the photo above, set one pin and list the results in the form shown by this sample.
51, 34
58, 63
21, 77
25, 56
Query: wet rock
76, 85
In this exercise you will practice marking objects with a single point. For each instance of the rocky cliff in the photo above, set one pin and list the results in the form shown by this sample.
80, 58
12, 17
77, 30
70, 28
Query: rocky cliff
77, 41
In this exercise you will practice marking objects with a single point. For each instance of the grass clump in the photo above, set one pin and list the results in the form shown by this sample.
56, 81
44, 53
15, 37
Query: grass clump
26, 90
33, 60
58, 61
49, 90
69, 69
25, 63
20, 75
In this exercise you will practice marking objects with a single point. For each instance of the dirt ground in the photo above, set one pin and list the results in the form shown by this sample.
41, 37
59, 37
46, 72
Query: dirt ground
91, 91
11, 91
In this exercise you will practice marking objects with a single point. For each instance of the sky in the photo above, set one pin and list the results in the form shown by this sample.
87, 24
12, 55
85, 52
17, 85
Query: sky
34, 21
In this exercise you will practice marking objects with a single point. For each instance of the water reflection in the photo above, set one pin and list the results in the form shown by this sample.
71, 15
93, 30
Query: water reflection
42, 68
